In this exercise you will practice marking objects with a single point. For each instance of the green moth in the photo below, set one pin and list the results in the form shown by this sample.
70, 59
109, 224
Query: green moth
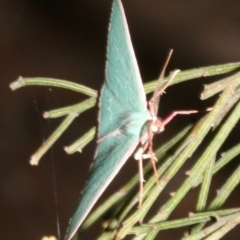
124, 119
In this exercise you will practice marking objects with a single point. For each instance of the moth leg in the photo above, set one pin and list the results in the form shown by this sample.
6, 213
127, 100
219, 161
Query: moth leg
173, 114
141, 177
148, 156
151, 153
139, 153
140, 156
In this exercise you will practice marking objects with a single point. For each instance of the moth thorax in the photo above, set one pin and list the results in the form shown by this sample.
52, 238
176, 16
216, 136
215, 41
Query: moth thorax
157, 126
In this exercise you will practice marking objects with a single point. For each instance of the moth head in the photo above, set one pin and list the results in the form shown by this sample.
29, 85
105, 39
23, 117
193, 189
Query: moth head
157, 126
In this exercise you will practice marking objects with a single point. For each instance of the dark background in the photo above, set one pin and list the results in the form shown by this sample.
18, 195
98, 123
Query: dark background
67, 40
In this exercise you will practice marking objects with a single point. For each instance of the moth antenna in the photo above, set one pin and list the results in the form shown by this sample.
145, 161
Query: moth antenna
156, 96
162, 90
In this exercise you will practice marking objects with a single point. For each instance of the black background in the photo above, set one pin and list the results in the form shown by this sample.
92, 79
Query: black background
67, 40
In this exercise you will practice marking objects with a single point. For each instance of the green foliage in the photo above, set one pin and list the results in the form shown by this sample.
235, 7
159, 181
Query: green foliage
125, 216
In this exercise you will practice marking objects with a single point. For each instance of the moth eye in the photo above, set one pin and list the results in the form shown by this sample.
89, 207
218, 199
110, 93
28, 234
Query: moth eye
158, 126
157, 129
